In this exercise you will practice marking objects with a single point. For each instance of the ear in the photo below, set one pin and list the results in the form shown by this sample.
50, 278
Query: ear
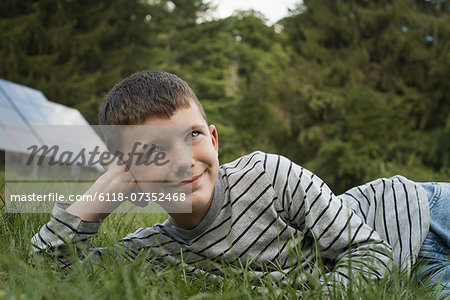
214, 137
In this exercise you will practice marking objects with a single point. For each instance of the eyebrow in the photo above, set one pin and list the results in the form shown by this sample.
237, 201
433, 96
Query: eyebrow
199, 125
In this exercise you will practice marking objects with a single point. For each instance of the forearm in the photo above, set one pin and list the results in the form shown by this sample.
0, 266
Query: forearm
63, 231
370, 261
358, 251
111, 182
74, 225
340, 234
92, 211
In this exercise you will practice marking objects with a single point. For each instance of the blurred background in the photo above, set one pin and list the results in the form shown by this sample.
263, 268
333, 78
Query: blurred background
352, 90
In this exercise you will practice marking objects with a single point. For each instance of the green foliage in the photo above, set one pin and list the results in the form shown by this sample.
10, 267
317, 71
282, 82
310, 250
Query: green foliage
350, 89
371, 107
73, 50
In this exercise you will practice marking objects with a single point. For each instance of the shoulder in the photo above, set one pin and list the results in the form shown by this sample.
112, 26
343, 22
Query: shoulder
275, 168
247, 166
254, 156
268, 161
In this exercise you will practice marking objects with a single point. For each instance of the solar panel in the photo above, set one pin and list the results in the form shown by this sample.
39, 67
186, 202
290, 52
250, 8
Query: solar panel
15, 144
27, 117
3, 101
10, 117
12, 89
33, 96
22, 93
58, 114
32, 113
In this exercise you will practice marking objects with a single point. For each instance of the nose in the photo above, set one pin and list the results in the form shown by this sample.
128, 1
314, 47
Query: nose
181, 162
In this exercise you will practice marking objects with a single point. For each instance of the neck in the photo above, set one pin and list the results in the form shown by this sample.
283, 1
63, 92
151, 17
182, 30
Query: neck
189, 220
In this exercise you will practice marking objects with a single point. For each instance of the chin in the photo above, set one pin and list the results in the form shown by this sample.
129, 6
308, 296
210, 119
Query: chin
200, 204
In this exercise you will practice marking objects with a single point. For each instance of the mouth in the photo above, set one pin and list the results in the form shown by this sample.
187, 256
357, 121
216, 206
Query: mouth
188, 183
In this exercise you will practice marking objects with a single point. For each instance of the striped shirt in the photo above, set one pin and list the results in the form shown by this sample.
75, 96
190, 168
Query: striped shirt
271, 215
398, 210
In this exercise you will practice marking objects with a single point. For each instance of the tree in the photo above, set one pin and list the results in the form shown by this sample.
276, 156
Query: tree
73, 50
371, 95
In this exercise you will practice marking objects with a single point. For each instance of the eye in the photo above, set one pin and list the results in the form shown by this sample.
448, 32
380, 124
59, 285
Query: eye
157, 149
193, 136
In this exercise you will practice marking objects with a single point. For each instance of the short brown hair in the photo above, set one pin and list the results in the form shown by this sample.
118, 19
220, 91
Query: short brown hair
144, 95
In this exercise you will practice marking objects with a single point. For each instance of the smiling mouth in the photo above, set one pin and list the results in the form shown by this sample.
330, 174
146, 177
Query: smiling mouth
177, 184
187, 182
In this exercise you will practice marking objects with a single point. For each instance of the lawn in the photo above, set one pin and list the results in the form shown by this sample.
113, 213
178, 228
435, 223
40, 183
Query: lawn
25, 276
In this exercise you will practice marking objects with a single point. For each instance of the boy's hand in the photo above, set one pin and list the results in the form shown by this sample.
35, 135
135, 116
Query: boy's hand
116, 180
126, 183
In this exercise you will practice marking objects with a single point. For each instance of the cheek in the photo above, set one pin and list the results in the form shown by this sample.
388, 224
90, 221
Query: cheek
205, 155
151, 178
150, 173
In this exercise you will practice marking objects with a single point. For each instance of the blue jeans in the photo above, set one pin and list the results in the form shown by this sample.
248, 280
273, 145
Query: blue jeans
434, 257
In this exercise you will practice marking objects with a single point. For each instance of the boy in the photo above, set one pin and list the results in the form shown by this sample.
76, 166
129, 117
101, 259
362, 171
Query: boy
255, 211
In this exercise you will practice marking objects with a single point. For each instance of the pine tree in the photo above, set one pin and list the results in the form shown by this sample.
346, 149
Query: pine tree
371, 97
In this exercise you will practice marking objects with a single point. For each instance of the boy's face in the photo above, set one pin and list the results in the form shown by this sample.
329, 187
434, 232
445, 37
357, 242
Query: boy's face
192, 150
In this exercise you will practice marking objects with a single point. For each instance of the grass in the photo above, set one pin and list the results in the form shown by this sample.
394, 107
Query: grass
25, 276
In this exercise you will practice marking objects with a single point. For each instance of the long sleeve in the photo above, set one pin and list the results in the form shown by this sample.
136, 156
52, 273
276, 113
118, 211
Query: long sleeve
341, 236
397, 209
63, 232
264, 206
